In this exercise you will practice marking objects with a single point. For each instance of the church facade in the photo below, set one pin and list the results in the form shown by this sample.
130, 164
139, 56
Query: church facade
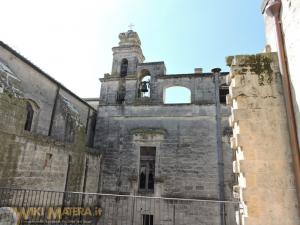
156, 149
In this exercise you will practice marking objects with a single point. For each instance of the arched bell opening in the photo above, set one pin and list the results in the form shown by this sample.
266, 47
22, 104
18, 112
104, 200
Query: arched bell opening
144, 80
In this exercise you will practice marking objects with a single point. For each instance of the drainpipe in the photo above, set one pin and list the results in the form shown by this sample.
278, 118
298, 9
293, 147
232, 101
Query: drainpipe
274, 8
216, 73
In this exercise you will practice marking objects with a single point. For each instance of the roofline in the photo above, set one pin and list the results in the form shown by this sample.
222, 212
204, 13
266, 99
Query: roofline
18, 55
90, 99
190, 74
151, 63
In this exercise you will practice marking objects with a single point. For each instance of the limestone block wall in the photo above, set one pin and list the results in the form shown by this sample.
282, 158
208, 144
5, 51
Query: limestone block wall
202, 87
42, 90
290, 20
185, 151
185, 138
35, 87
263, 164
28, 160
154, 68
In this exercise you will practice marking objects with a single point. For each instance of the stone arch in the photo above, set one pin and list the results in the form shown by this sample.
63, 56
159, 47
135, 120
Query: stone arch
177, 94
143, 73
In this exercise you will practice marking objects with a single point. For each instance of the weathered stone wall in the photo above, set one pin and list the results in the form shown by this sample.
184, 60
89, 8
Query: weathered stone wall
185, 137
193, 157
182, 153
290, 20
201, 87
41, 90
29, 160
263, 163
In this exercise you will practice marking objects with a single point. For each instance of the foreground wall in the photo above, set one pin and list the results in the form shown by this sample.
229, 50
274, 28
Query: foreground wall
28, 160
263, 162
290, 22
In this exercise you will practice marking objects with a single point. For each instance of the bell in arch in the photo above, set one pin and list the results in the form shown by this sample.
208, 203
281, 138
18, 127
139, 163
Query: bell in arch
144, 86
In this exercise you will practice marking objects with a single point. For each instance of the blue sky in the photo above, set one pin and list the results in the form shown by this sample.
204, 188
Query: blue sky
72, 39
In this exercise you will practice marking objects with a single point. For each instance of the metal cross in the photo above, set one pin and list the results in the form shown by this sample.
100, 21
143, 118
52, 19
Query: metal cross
130, 26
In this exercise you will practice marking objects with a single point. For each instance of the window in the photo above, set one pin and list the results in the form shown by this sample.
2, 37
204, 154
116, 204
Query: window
29, 117
124, 67
223, 91
147, 219
177, 95
147, 169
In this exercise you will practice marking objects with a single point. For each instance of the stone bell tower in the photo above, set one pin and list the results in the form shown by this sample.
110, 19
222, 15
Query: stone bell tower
127, 55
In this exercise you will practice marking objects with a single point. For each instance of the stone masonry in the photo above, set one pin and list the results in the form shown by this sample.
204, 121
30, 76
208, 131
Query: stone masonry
32, 161
184, 136
263, 164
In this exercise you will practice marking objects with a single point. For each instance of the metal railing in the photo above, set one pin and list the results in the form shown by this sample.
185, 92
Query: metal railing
54, 207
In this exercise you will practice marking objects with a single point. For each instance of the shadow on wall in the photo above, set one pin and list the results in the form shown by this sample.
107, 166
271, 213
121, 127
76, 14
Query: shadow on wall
296, 110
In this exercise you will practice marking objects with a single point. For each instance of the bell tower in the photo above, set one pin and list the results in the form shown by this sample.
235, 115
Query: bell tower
127, 55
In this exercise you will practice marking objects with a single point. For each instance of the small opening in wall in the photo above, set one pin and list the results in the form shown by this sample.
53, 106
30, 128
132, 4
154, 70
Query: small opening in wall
144, 84
29, 117
48, 160
145, 87
147, 219
223, 91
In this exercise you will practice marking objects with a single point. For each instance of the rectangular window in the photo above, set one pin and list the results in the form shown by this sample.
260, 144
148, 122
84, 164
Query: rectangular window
223, 91
147, 219
147, 169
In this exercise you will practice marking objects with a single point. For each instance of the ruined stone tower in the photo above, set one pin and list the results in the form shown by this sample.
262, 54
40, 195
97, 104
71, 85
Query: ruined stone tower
153, 148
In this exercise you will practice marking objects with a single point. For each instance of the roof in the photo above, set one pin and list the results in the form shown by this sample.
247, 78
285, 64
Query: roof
25, 60
91, 99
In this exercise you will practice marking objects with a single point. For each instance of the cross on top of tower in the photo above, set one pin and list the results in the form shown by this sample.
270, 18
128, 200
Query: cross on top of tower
130, 26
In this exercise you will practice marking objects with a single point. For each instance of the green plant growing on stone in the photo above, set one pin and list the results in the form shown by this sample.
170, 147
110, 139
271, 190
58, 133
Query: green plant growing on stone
261, 65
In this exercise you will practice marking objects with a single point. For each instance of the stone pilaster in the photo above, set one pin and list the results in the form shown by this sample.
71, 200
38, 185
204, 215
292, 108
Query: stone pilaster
262, 156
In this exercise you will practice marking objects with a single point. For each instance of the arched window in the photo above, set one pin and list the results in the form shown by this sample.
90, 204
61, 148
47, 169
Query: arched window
124, 67
29, 117
177, 95
144, 84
